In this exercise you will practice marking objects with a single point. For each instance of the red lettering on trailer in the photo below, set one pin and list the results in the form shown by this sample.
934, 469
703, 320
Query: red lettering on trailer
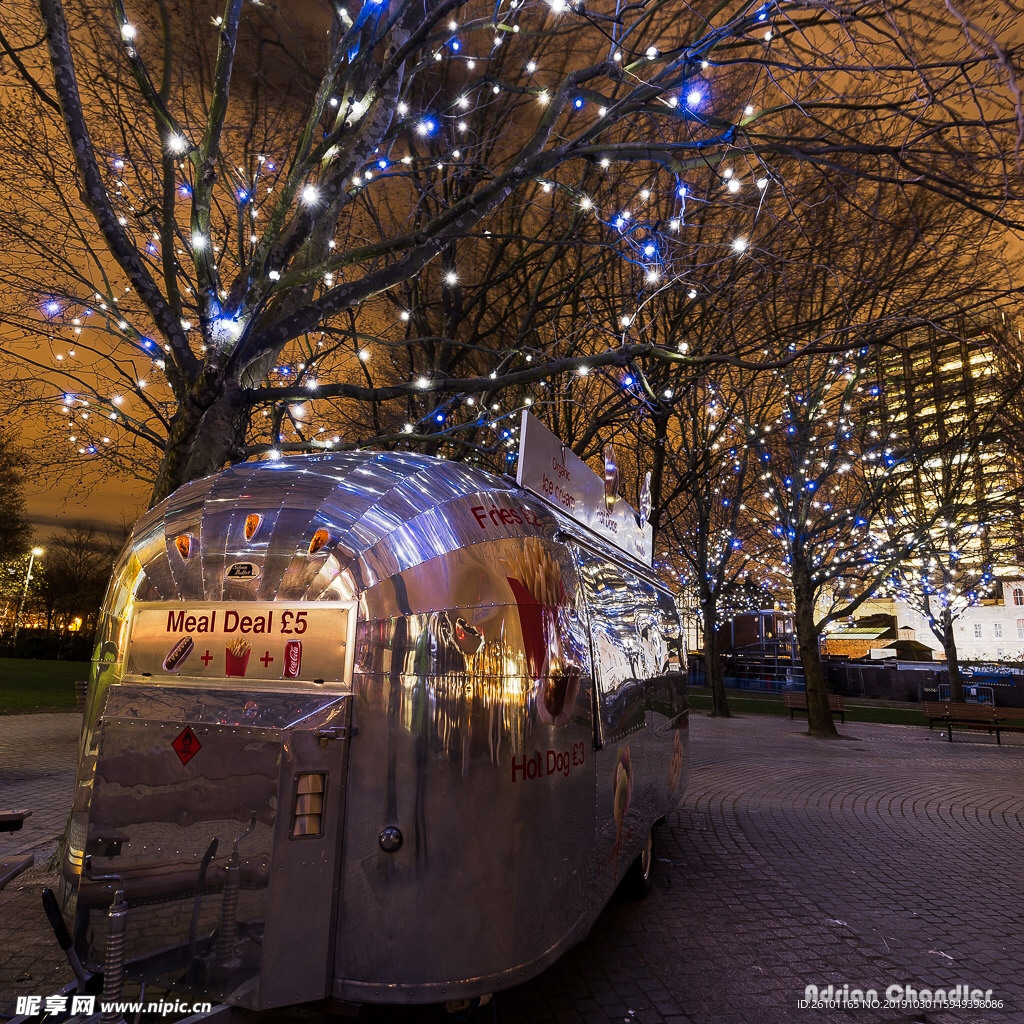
551, 762
521, 516
181, 621
235, 622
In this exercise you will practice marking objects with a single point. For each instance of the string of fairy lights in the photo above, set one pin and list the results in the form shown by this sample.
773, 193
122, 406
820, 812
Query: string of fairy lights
439, 139
807, 454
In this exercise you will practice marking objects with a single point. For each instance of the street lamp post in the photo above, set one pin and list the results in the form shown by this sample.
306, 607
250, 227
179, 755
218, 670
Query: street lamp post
33, 555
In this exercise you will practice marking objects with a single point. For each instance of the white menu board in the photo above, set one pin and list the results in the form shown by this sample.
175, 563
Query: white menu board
555, 473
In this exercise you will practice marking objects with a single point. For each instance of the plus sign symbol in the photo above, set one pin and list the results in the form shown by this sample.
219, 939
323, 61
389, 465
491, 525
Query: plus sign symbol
266, 659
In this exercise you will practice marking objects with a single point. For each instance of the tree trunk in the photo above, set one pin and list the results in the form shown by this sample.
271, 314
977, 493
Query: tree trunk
956, 685
205, 434
713, 666
819, 717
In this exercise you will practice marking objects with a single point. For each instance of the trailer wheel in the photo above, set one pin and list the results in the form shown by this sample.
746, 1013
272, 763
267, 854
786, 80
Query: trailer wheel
637, 881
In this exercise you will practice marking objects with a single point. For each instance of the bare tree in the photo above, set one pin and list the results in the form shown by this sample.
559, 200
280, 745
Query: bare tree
74, 579
223, 211
15, 531
831, 462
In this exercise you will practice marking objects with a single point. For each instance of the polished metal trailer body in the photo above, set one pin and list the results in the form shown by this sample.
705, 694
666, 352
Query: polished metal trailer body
372, 726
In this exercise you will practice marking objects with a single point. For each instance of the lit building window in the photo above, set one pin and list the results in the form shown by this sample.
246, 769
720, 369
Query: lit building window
977, 630
1020, 629
1018, 595
997, 630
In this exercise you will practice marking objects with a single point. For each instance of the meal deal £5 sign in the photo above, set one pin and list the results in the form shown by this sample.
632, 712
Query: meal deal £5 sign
250, 641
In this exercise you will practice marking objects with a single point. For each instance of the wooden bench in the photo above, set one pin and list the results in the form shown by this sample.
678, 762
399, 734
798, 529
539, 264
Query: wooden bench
958, 715
796, 700
10, 869
11, 821
1011, 719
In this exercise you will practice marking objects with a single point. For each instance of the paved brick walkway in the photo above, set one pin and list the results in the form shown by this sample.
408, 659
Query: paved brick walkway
888, 857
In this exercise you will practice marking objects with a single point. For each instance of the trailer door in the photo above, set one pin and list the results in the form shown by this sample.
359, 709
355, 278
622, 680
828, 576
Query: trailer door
619, 605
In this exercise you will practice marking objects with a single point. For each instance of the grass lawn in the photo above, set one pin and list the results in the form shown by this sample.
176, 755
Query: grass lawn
27, 685
863, 711
30, 685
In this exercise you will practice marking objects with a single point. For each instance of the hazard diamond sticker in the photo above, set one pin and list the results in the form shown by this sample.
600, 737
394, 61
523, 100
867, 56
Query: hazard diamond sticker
186, 745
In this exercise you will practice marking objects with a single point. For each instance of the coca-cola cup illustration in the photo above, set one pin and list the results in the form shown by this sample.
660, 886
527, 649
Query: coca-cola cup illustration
236, 657
292, 659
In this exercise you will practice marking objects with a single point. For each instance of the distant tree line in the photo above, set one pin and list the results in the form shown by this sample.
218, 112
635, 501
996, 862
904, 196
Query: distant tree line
49, 602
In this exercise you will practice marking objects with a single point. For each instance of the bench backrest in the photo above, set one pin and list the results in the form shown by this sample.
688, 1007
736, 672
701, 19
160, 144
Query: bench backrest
973, 712
961, 710
798, 699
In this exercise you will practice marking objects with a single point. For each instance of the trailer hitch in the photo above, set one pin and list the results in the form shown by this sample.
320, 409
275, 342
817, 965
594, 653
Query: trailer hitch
60, 930
224, 952
114, 960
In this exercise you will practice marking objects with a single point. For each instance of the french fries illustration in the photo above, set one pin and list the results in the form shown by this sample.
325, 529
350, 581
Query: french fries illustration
236, 657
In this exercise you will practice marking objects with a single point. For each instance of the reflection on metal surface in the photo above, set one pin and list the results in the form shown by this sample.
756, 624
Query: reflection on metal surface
201, 921
427, 668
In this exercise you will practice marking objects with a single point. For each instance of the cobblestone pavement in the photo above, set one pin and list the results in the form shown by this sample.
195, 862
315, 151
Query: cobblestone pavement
890, 857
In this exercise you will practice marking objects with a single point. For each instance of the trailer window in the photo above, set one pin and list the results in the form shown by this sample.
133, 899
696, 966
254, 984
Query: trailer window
626, 636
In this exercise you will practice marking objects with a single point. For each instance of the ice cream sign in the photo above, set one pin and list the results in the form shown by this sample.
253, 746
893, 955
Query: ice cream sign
251, 641
557, 474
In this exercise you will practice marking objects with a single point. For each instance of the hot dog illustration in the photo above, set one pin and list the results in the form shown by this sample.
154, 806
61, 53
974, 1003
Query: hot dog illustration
178, 653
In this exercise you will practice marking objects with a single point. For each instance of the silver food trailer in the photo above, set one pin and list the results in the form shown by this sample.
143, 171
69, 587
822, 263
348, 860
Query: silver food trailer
376, 727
